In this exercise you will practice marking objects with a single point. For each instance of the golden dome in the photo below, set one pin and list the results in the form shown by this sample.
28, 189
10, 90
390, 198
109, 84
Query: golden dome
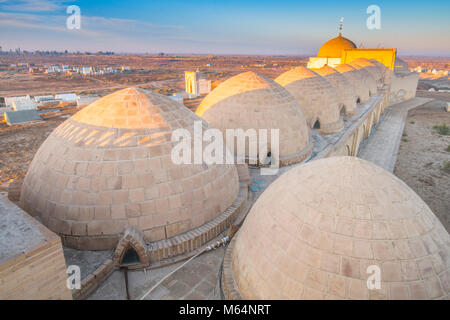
334, 47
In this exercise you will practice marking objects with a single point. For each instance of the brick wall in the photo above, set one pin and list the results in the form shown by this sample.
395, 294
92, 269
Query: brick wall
38, 274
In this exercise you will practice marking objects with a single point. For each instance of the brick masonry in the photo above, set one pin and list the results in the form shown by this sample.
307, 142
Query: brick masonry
110, 166
38, 272
252, 101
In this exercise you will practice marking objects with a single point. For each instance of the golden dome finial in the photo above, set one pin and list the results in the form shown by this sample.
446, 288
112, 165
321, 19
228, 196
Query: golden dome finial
341, 22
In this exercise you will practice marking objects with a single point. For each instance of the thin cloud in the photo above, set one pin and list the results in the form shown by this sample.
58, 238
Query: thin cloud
31, 5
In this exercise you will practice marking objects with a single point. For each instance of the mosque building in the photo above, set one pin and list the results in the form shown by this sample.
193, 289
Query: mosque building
104, 180
330, 53
340, 51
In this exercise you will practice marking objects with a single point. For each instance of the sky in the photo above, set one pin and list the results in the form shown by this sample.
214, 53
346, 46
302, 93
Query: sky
223, 27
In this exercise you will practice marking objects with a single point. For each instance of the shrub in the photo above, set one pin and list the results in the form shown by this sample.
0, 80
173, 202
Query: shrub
443, 129
446, 167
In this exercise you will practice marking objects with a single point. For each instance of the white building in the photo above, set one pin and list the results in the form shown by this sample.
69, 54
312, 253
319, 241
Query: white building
204, 86
196, 84
67, 97
9, 101
23, 104
85, 70
40, 99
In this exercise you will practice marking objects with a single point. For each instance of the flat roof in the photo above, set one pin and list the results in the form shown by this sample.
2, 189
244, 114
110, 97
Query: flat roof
19, 232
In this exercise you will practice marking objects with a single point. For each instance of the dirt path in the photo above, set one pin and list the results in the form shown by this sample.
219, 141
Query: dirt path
421, 156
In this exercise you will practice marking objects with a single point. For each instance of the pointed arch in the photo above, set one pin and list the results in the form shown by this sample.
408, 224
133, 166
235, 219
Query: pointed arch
131, 250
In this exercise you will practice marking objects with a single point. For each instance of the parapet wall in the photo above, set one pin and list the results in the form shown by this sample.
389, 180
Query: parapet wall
32, 265
403, 87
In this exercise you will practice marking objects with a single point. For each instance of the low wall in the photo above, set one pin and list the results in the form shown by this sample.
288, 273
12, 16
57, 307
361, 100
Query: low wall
403, 87
32, 264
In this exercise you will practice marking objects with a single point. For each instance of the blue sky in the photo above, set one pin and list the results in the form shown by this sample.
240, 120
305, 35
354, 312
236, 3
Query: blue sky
223, 27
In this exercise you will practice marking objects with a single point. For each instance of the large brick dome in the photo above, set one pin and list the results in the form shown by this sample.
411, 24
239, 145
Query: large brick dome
368, 79
315, 231
344, 90
316, 96
109, 166
252, 101
372, 69
356, 78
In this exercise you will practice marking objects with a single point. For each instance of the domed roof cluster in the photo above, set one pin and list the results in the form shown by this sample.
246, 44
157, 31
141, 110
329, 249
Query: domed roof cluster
344, 90
316, 96
369, 80
382, 69
334, 47
355, 77
373, 69
110, 166
321, 229
252, 101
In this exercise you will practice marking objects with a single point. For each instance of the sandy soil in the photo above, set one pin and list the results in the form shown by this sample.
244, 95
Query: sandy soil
18, 146
421, 157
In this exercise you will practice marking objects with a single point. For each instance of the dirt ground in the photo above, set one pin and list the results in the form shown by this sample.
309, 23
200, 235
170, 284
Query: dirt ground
18, 146
422, 155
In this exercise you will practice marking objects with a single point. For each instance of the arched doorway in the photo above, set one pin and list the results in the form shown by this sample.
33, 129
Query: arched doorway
131, 251
342, 112
130, 257
316, 125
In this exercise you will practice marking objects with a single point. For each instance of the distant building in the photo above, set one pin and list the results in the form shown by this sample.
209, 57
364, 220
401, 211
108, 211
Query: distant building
40, 99
204, 86
85, 70
196, 84
21, 116
20, 103
67, 97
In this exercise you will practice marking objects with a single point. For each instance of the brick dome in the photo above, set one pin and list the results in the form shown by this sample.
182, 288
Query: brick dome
316, 96
252, 101
384, 71
372, 69
355, 77
369, 80
344, 89
109, 166
315, 230
333, 48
